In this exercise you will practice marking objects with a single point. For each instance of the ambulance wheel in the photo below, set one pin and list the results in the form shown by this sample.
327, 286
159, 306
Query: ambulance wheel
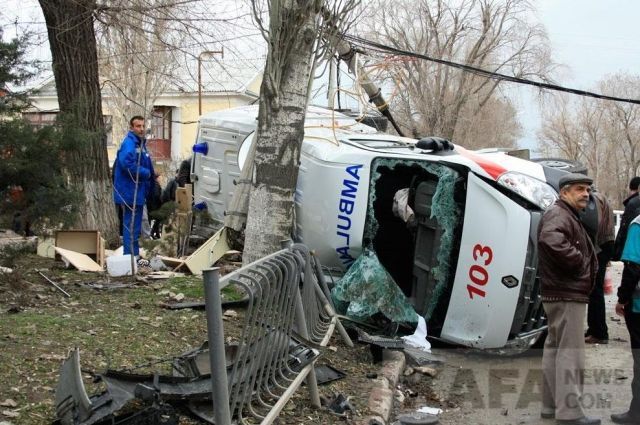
562, 164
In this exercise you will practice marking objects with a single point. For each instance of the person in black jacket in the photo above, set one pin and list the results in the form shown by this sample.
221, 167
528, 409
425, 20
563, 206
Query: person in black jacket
631, 211
628, 306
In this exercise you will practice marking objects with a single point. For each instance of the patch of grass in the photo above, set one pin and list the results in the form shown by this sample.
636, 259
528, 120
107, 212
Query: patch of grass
190, 286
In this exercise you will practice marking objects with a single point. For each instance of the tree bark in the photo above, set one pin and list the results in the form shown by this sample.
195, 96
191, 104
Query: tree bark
283, 105
75, 67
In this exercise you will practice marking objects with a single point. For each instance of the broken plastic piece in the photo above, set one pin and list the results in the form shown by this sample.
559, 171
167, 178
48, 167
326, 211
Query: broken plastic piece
417, 418
340, 404
429, 410
419, 338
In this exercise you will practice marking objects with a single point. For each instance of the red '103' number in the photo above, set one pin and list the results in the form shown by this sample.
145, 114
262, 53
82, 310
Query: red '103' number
478, 274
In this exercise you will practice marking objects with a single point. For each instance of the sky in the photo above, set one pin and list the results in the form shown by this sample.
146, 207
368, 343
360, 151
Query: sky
593, 38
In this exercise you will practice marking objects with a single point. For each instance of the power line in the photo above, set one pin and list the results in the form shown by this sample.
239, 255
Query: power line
484, 73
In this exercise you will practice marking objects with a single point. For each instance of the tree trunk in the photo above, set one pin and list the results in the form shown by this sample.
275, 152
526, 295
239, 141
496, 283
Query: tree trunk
283, 103
75, 68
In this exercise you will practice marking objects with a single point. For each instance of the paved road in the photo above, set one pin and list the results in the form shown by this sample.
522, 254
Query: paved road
497, 390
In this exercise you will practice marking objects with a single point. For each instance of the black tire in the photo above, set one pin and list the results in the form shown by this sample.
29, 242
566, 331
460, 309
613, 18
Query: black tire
568, 165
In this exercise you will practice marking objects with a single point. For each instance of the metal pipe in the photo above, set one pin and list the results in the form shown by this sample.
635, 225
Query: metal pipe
206, 52
57, 287
312, 382
217, 358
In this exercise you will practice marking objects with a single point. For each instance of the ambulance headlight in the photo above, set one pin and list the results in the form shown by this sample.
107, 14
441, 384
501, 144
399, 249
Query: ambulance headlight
532, 189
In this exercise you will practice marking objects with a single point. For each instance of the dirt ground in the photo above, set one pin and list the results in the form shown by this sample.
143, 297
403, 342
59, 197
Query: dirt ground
119, 323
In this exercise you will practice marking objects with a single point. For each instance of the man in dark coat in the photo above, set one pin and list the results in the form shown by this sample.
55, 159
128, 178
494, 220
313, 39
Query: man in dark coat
567, 266
597, 329
631, 211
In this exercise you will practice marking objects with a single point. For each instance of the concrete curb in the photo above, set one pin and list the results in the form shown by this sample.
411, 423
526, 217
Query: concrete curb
381, 398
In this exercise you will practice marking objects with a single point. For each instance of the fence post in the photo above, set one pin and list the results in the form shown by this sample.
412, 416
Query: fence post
217, 359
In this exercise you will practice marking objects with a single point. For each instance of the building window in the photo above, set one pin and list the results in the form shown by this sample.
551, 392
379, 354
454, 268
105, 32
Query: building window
40, 119
159, 141
161, 123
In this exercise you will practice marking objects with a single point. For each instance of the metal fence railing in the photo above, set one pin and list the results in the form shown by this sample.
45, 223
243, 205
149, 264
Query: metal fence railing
287, 314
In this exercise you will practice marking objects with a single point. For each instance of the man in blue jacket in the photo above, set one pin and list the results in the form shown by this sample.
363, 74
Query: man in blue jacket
133, 179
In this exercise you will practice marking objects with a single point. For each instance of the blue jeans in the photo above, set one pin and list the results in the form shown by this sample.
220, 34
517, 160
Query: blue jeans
126, 229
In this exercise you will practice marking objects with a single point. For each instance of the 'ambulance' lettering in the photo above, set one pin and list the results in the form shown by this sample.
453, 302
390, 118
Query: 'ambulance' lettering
346, 206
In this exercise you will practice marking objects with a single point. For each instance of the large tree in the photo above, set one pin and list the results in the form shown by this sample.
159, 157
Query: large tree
70, 27
435, 99
604, 135
293, 35
142, 41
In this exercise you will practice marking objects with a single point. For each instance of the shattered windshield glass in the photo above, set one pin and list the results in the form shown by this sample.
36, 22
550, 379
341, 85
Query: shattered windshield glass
369, 289
367, 284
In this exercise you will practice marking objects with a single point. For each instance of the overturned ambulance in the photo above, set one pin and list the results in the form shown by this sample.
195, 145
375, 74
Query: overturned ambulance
466, 260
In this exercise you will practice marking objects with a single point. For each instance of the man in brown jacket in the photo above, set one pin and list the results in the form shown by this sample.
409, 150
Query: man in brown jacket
567, 266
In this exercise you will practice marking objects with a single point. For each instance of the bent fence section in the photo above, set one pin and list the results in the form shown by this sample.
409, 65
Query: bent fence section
288, 315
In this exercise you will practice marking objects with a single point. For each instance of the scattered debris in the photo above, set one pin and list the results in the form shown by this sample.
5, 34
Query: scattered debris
88, 242
46, 248
108, 286
208, 253
80, 261
163, 274
157, 265
429, 371
229, 314
326, 374
120, 265
66, 294
10, 413
199, 305
8, 403
368, 288
430, 410
418, 357
419, 338
417, 418
339, 404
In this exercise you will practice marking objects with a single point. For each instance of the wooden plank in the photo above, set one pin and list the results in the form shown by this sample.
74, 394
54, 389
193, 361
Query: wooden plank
163, 275
176, 263
184, 196
208, 253
80, 261
101, 253
81, 241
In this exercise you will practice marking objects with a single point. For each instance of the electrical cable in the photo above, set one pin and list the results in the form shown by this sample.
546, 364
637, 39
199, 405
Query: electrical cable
362, 42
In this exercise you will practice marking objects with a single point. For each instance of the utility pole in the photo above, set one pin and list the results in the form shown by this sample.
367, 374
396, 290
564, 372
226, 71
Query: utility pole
200, 56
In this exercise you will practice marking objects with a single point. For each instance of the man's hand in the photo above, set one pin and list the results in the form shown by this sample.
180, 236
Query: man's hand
620, 309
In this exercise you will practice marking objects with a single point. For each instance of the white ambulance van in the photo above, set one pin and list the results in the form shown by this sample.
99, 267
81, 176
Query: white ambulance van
468, 262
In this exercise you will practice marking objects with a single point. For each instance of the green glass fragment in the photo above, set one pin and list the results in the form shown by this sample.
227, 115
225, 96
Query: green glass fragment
369, 289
